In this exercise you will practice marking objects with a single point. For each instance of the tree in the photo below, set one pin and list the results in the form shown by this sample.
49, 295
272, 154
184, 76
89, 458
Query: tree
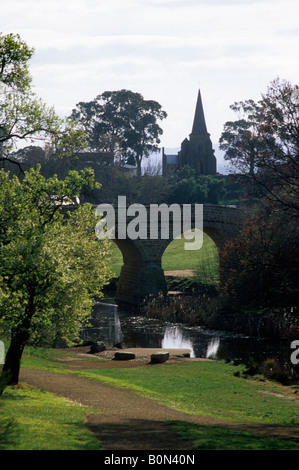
265, 142
23, 116
240, 139
142, 130
121, 123
278, 177
260, 268
14, 57
51, 263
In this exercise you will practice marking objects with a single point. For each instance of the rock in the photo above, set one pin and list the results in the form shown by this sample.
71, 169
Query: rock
124, 356
97, 347
158, 358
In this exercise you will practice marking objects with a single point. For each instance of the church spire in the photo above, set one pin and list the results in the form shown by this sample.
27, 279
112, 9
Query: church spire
199, 123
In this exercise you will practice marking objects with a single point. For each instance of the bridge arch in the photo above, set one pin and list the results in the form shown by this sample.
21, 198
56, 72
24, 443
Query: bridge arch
203, 262
142, 274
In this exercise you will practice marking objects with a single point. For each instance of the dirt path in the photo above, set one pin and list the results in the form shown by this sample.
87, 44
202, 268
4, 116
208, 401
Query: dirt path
127, 421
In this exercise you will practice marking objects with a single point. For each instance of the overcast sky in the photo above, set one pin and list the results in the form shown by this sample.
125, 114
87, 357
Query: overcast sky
164, 49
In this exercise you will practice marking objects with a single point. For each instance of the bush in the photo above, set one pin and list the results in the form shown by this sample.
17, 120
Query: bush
191, 310
272, 370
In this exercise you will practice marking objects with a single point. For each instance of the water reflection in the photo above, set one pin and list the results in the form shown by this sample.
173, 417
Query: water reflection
213, 347
130, 329
174, 339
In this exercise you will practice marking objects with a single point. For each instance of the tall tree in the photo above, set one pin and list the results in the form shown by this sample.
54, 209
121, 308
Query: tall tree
241, 139
51, 263
279, 158
23, 116
122, 124
261, 267
14, 57
265, 142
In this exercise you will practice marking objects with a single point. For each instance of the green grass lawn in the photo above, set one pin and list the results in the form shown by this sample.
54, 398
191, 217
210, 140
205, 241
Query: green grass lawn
206, 388
175, 257
220, 438
42, 421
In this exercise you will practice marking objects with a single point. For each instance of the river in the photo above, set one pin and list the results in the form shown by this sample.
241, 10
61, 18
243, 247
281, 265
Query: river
115, 326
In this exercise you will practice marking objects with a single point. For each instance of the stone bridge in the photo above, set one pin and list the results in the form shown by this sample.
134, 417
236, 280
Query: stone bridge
142, 274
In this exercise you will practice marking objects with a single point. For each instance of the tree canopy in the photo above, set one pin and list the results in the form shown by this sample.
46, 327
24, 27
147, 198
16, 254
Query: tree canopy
52, 266
14, 57
121, 124
23, 116
240, 139
260, 268
264, 143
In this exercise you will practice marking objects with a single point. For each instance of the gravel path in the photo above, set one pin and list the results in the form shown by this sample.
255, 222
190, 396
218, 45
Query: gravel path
127, 421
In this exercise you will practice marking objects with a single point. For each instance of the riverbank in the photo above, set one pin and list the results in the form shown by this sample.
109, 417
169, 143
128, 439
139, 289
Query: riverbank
195, 303
182, 404
129, 421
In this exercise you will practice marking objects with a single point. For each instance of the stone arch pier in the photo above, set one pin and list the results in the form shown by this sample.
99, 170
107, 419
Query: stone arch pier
142, 274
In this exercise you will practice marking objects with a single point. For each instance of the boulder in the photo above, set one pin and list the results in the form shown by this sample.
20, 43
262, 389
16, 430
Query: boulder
158, 358
97, 347
124, 356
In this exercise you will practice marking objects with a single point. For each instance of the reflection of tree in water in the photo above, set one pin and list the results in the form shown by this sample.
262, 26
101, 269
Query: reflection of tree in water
141, 332
105, 325
114, 326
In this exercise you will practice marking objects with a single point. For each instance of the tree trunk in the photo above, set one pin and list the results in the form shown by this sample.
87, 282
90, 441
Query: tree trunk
139, 168
19, 338
12, 363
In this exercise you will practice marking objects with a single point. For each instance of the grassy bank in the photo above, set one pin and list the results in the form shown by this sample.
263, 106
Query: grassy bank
33, 419
205, 388
204, 261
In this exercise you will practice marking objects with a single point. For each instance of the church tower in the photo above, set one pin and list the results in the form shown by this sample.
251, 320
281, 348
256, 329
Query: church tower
198, 152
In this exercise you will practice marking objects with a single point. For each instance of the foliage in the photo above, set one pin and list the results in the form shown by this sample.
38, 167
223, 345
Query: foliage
197, 309
121, 124
260, 268
279, 163
23, 116
14, 57
187, 188
264, 144
241, 138
51, 264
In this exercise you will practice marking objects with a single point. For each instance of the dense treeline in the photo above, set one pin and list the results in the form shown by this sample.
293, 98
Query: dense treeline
184, 187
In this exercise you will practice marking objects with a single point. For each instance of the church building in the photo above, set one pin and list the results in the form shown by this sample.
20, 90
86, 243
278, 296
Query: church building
197, 151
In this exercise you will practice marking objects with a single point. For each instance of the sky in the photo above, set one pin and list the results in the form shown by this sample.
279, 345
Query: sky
164, 49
